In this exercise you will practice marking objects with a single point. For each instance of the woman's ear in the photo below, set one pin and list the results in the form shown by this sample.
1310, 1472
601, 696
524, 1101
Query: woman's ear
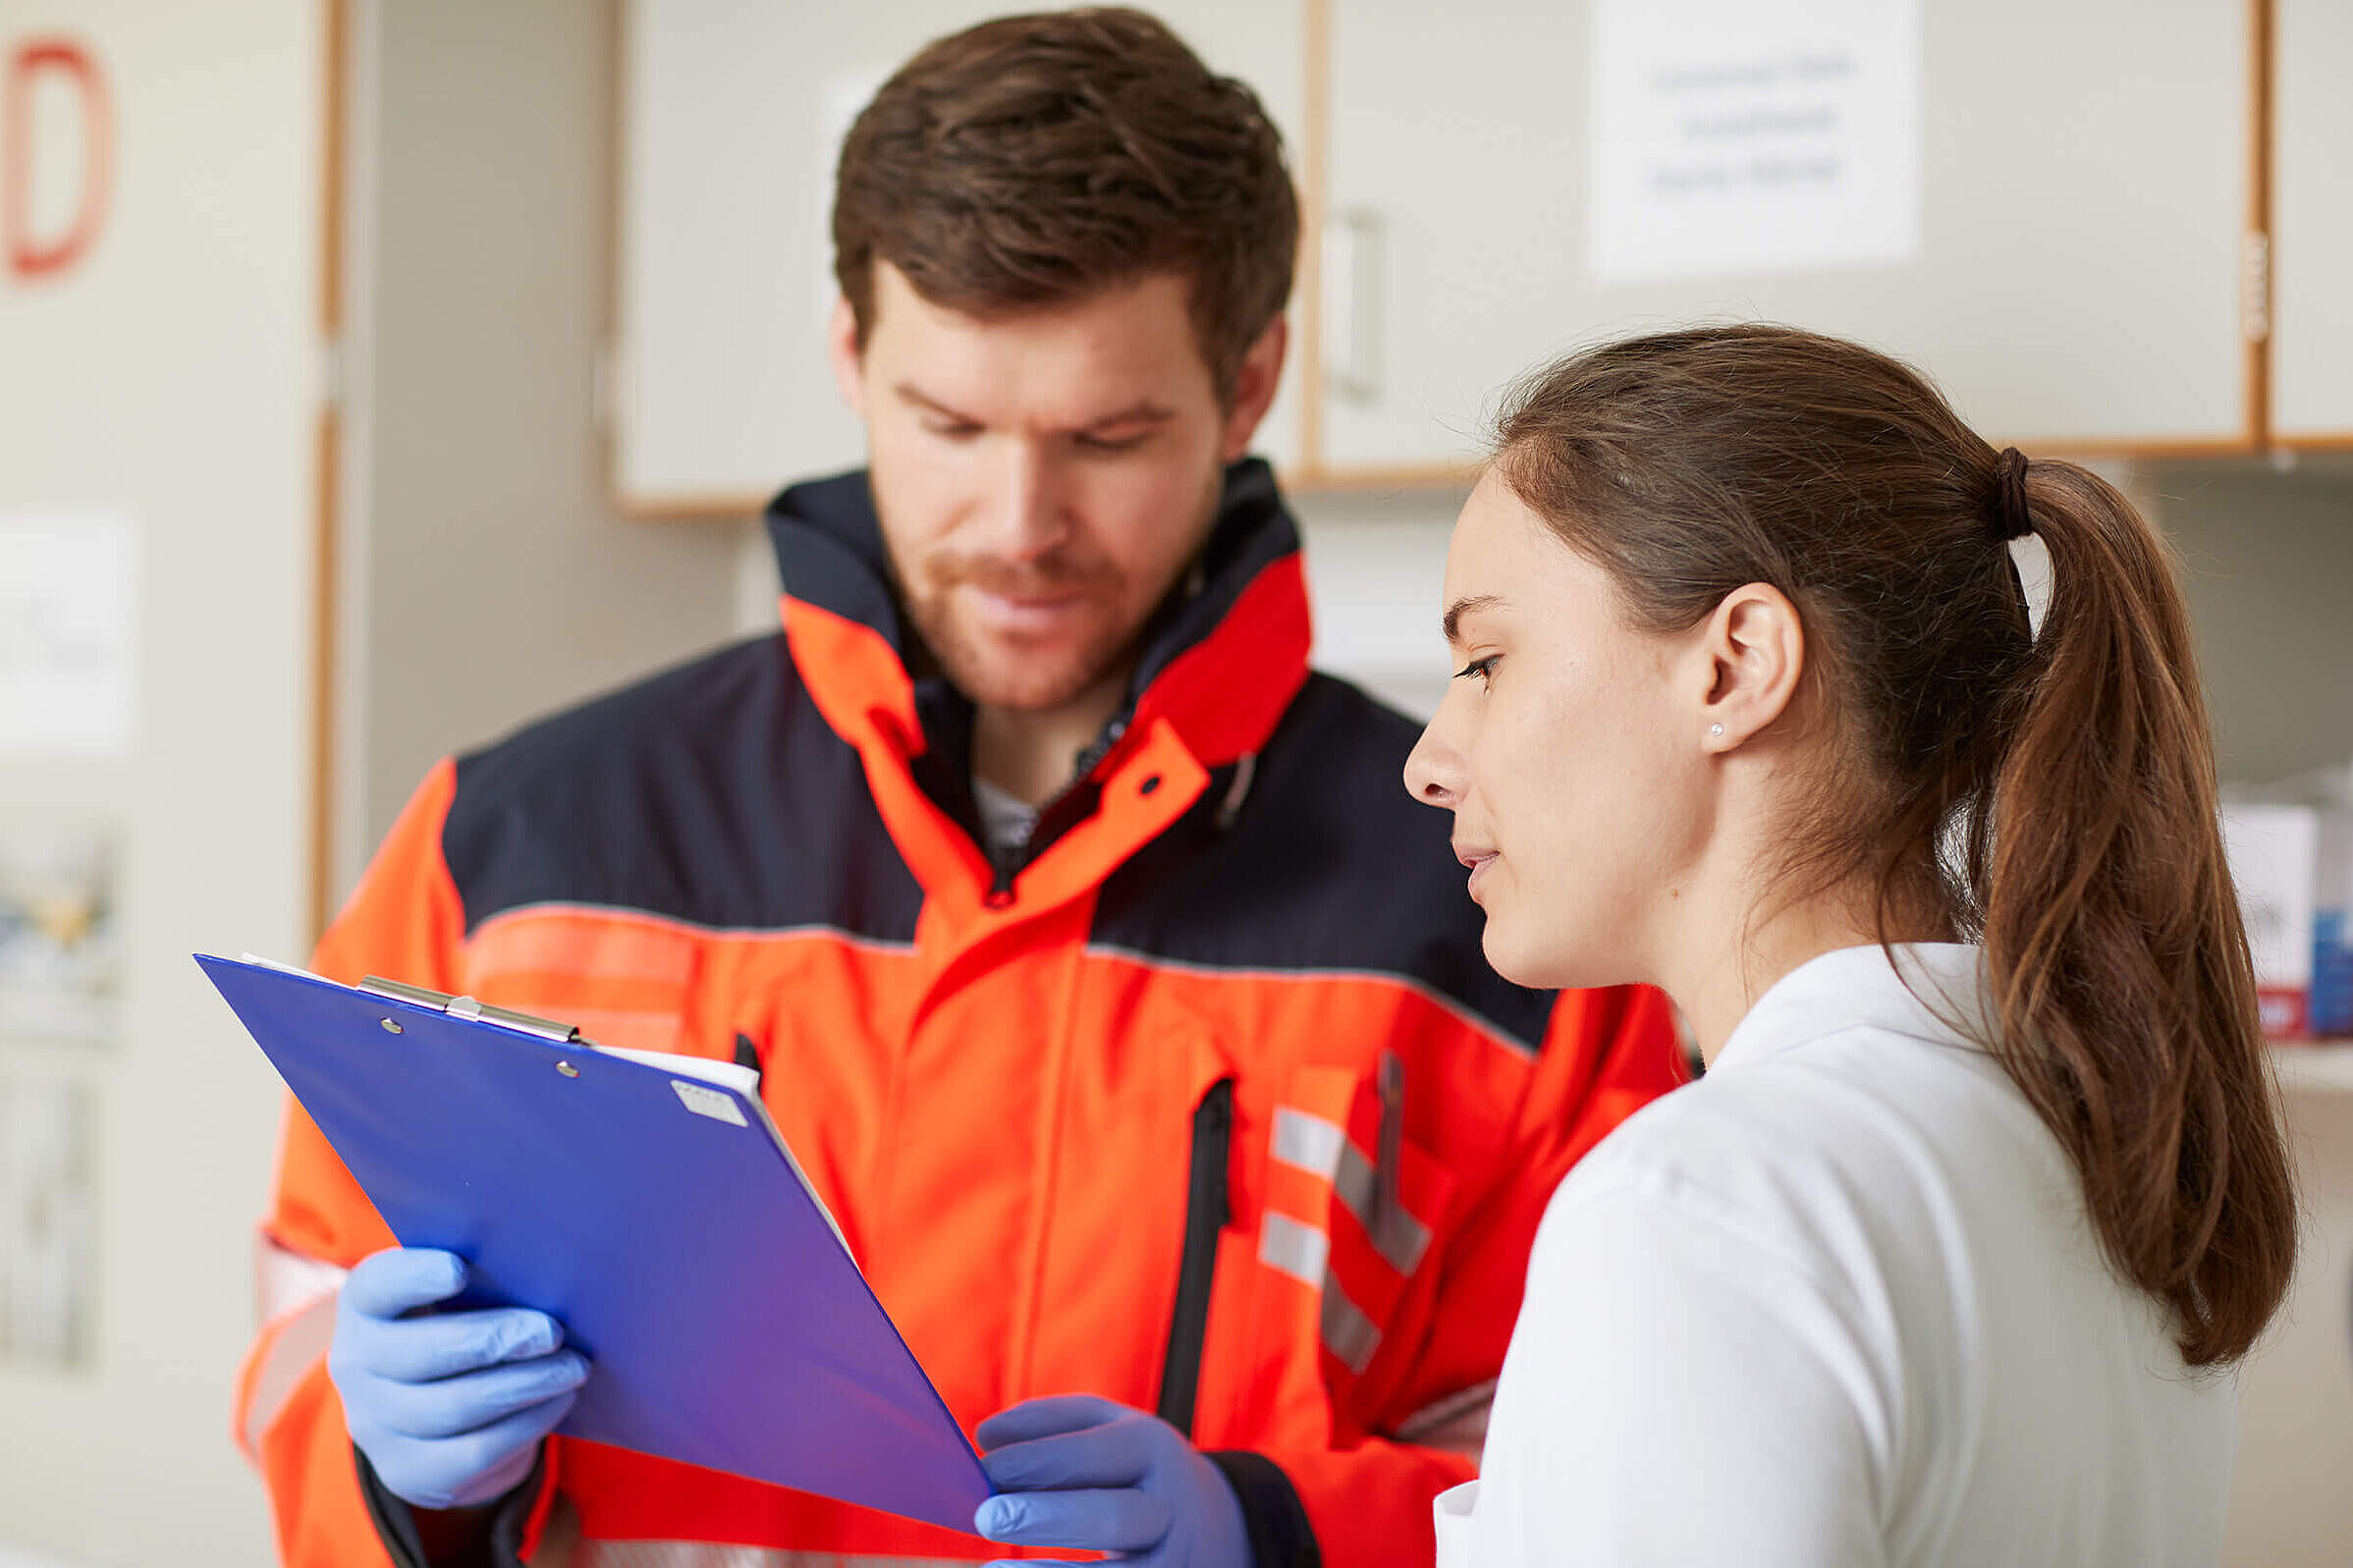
1753, 652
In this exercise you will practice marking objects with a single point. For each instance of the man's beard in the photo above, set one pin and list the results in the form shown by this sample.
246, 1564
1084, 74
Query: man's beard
1033, 682
1004, 676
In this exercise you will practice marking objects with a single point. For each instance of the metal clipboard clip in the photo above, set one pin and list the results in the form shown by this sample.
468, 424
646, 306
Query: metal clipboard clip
561, 1034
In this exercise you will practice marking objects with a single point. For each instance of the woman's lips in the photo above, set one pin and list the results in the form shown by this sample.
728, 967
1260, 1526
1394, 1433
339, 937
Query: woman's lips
1478, 860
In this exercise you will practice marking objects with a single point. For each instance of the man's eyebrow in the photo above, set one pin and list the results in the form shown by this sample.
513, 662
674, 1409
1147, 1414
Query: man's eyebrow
1463, 606
1142, 411
909, 391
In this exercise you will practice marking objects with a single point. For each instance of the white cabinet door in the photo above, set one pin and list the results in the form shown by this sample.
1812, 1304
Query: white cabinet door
2082, 196
732, 113
2312, 224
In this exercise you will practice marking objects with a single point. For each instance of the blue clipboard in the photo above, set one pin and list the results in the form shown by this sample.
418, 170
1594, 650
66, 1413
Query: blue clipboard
659, 1217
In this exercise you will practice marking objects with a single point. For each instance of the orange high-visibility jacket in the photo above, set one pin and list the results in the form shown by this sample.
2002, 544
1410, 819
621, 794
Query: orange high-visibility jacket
1208, 1103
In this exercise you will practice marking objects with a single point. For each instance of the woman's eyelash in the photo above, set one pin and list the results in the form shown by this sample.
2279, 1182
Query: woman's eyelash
1482, 667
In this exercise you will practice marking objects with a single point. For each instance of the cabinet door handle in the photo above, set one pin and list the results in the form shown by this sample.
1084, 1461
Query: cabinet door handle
2254, 286
1352, 305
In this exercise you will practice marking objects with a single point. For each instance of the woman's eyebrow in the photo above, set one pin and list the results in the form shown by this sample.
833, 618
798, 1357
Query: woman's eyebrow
1463, 606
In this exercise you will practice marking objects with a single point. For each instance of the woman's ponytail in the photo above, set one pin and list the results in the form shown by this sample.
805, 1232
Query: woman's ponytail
2117, 960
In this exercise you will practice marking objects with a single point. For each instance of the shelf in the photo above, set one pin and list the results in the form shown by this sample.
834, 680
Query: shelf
2326, 1067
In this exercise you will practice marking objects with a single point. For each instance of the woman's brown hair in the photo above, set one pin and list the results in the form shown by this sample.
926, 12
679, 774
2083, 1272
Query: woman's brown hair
2051, 795
1033, 160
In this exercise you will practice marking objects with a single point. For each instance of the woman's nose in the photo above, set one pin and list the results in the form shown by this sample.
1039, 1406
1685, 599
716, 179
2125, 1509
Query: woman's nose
1433, 771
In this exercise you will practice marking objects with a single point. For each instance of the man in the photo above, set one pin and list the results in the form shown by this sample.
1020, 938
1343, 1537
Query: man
1129, 1019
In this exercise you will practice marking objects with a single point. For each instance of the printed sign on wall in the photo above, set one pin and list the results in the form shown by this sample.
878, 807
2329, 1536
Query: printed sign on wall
1753, 136
69, 631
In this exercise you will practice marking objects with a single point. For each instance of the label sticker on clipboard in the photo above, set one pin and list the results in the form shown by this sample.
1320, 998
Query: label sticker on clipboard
707, 1101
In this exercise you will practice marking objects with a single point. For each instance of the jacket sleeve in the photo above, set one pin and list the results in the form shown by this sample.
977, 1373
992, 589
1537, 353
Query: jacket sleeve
1365, 1499
404, 922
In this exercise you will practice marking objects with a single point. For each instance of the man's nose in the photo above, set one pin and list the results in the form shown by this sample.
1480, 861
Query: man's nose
1030, 514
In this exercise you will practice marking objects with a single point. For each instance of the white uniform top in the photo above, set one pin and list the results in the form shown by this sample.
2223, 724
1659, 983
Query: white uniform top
1839, 1303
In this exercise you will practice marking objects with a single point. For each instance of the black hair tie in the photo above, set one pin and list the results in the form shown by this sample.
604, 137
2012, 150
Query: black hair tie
2011, 519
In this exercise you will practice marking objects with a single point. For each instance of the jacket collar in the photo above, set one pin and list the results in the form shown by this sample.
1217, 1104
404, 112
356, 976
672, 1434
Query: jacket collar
1221, 660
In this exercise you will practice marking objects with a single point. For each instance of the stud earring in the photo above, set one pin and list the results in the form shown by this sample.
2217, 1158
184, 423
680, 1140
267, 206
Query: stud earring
1717, 731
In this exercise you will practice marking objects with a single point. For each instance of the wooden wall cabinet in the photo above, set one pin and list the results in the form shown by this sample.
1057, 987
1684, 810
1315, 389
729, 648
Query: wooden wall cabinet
2085, 183
2101, 223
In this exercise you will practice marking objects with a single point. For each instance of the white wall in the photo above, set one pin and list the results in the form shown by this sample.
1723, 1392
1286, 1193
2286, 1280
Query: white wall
499, 581
2267, 558
174, 375
486, 579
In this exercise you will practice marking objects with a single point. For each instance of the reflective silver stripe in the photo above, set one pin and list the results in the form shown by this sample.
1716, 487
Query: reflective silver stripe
1310, 1143
1322, 1149
284, 1279
1457, 1423
705, 1555
299, 1343
1304, 1252
1298, 1250
293, 1297
1347, 1332
1492, 1032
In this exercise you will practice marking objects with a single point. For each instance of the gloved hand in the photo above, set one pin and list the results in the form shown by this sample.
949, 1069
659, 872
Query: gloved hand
1079, 1472
448, 1407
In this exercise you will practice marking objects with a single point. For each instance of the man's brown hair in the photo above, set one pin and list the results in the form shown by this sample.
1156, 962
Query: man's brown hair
1034, 160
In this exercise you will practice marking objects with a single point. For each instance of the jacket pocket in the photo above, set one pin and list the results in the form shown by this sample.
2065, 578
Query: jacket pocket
1354, 1208
1208, 1209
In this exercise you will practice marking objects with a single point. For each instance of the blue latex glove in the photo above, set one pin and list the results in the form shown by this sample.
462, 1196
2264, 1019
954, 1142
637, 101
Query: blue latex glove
448, 1407
1085, 1473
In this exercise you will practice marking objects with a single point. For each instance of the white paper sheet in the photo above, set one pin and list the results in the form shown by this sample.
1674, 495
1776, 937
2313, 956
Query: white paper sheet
69, 631
1753, 136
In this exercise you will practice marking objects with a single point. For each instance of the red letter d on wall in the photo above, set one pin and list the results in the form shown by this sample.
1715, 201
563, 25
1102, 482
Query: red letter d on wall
48, 69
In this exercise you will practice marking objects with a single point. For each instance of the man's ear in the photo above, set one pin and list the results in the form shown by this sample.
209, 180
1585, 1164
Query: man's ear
1254, 388
847, 358
1753, 654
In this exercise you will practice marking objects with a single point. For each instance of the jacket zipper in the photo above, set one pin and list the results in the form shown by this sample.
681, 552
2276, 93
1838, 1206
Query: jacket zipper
1207, 1212
1005, 867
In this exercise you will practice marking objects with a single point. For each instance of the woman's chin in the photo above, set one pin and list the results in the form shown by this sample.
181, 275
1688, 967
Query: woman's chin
1542, 961
1522, 962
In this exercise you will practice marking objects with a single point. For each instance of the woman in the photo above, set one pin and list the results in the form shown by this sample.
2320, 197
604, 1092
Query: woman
1948, 1257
